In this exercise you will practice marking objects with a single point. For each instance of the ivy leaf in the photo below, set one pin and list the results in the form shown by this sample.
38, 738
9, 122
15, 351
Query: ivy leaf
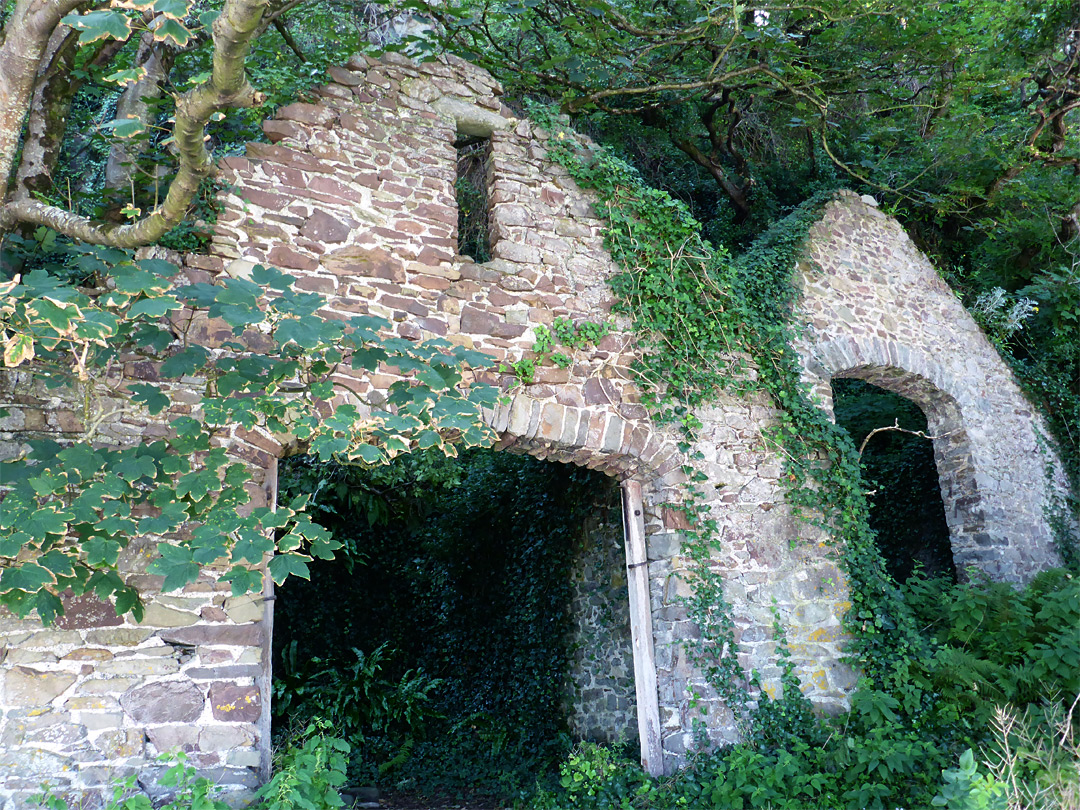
368, 359
305, 333
12, 544
289, 564
171, 30
59, 563
368, 453
18, 349
173, 9
135, 466
271, 277
155, 307
244, 580
128, 601
82, 459
124, 127
252, 546
101, 551
48, 606
127, 76
59, 315
172, 516
45, 521
185, 362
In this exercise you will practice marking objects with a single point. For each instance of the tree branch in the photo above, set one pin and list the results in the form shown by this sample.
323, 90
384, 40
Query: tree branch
227, 88
290, 40
895, 427
26, 35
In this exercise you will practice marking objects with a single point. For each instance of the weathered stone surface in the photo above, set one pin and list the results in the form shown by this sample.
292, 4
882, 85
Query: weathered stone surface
307, 113
30, 687
242, 636
322, 227
242, 609
81, 612
167, 738
120, 637
358, 261
158, 615
240, 704
164, 702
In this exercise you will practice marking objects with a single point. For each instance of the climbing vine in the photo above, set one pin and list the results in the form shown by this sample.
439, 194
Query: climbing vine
709, 322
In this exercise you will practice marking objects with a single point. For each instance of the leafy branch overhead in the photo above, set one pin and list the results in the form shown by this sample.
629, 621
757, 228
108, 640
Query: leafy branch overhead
71, 509
26, 36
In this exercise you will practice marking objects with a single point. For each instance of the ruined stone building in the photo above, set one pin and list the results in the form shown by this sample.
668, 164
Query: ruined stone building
355, 196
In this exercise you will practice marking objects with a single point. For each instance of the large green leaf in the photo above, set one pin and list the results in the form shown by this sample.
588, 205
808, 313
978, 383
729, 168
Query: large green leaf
101, 24
176, 564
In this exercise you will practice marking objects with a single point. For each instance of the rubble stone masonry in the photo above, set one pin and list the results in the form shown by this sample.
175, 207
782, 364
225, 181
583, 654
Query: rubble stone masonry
354, 195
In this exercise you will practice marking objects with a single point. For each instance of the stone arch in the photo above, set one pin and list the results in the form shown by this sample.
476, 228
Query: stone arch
595, 437
890, 366
874, 307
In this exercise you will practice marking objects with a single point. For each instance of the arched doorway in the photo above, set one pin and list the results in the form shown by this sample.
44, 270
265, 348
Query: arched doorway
475, 623
906, 510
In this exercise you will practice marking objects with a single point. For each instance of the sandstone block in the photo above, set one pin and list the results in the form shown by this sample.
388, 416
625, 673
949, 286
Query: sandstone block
370, 262
243, 609
30, 687
158, 615
324, 228
307, 113
167, 738
224, 738
164, 702
235, 703
248, 635
120, 743
81, 612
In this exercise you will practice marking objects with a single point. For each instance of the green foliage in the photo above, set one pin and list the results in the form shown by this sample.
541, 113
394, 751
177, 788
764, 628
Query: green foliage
463, 567
907, 515
1019, 647
967, 789
563, 332
359, 701
697, 311
705, 319
596, 776
897, 747
470, 191
75, 507
187, 790
307, 773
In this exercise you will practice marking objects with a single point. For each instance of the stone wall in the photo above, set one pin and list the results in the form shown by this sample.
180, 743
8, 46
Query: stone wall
601, 679
355, 197
877, 310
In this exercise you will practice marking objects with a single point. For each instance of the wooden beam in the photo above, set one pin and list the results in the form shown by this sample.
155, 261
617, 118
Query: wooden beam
637, 582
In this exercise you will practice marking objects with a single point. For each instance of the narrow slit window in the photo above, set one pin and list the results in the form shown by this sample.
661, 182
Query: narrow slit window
471, 191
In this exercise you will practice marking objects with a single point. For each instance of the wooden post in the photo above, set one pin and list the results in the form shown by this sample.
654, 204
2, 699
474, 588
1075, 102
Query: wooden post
637, 582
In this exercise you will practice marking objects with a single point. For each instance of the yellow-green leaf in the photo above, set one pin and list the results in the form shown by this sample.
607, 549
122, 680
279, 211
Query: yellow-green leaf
18, 350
